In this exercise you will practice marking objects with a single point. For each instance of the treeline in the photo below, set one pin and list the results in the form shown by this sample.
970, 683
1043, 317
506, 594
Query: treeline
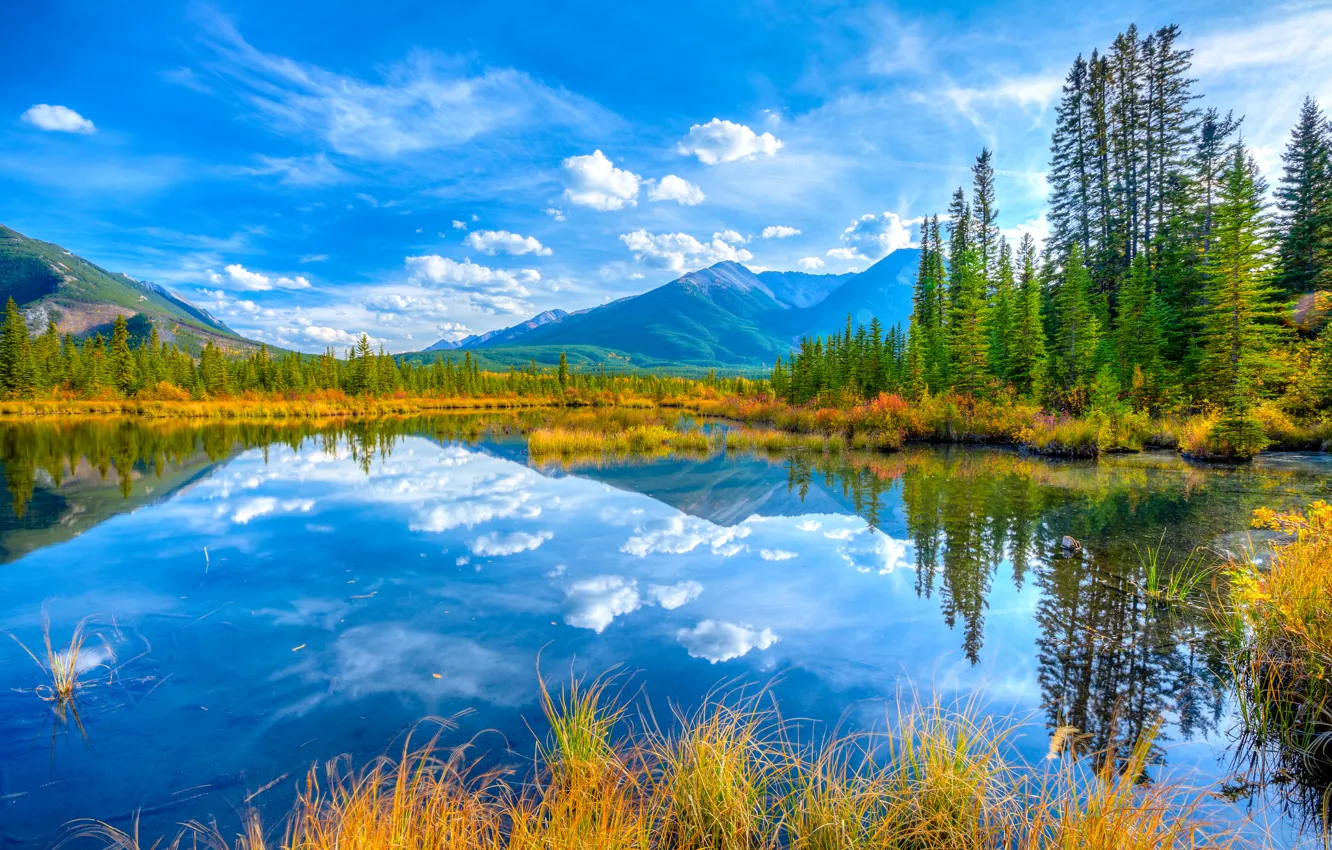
123, 365
1169, 282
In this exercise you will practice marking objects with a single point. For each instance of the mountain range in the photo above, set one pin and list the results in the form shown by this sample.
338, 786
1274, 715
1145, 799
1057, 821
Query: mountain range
52, 284
724, 315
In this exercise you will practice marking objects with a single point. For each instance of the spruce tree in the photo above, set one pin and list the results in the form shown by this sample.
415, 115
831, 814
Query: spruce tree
1239, 313
1138, 335
1077, 330
1027, 350
16, 371
968, 341
1304, 201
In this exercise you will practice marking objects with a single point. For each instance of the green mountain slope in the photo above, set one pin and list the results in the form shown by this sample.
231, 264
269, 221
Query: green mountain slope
52, 284
723, 316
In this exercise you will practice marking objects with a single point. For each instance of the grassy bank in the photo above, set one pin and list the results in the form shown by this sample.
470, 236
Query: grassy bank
1281, 623
732, 775
889, 421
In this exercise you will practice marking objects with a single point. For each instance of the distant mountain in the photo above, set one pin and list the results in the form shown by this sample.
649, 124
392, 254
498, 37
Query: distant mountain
725, 315
501, 335
52, 284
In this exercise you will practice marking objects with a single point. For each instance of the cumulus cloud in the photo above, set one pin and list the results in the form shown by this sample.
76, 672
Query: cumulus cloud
503, 242
680, 251
780, 231
57, 119
313, 170
453, 331
672, 188
555, 213
776, 554
873, 237
494, 289
594, 603
717, 641
330, 336
459, 225
238, 277
594, 181
399, 303
496, 545
724, 141
730, 237
811, 263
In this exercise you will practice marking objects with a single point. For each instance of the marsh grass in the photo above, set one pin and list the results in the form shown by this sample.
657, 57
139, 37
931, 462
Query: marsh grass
731, 775
1172, 584
561, 441
67, 671
1280, 623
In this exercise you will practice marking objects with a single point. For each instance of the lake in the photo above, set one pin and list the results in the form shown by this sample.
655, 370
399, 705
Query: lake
275, 596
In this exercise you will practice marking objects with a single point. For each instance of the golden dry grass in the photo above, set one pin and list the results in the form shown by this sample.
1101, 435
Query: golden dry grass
727, 777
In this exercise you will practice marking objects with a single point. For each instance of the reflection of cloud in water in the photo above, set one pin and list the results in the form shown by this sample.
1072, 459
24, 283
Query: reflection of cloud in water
594, 603
395, 659
776, 554
324, 613
672, 596
265, 505
809, 525
717, 641
495, 545
680, 534
874, 551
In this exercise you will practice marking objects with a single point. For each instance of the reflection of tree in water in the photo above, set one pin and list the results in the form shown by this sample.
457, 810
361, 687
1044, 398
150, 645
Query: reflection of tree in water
1111, 663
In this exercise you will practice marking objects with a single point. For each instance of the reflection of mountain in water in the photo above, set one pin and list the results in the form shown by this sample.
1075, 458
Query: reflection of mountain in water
59, 510
722, 490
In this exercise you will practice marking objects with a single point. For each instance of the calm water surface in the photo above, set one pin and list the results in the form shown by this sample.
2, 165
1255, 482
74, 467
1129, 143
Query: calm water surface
278, 596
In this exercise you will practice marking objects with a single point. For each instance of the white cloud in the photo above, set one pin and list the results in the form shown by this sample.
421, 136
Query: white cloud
57, 119
873, 237
428, 102
780, 231
459, 225
555, 213
502, 241
776, 554
332, 336
680, 251
724, 141
468, 276
811, 262
496, 545
239, 277
672, 188
594, 603
594, 181
313, 170
730, 237
453, 331
1038, 227
717, 641
399, 303
672, 596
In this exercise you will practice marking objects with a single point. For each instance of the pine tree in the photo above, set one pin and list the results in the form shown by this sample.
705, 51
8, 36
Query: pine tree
984, 214
1304, 201
1138, 335
122, 360
1238, 320
564, 370
1077, 334
1027, 357
1070, 175
15, 360
1000, 329
968, 340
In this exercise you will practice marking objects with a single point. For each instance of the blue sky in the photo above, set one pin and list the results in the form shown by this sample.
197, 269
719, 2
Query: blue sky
412, 170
